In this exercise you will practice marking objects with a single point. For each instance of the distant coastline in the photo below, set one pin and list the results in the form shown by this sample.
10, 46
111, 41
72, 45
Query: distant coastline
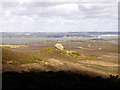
27, 37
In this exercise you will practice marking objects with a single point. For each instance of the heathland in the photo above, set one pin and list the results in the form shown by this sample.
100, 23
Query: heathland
82, 63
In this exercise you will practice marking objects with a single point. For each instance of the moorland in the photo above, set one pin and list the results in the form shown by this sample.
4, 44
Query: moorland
83, 63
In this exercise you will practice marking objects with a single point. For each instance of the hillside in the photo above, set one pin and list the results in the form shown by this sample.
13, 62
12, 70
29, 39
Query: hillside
41, 64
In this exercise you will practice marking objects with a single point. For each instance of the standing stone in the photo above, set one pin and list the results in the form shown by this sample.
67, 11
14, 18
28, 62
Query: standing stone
59, 46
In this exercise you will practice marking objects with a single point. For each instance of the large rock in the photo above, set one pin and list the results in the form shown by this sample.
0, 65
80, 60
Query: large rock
59, 46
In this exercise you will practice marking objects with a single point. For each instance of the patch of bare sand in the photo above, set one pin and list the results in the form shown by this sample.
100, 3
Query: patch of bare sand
76, 67
55, 62
57, 65
97, 62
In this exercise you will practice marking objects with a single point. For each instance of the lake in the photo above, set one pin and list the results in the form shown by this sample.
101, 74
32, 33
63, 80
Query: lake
28, 40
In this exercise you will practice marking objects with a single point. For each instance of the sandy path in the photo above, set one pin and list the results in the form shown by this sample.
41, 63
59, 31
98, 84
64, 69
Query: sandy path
76, 67
59, 65
102, 63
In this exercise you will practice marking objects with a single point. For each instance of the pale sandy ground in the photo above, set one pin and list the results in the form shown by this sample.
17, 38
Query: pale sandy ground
58, 65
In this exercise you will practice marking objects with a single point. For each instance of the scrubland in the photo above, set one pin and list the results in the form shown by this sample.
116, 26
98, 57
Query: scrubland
80, 64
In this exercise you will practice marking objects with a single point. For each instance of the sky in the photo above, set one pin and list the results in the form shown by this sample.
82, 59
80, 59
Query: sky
58, 16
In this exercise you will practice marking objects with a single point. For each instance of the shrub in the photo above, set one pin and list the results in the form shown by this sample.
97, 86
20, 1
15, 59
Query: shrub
63, 52
25, 61
89, 57
74, 54
37, 58
48, 50
114, 81
81, 56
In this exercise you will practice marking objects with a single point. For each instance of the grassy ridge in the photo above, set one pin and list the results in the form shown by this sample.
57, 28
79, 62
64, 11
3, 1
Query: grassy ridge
9, 56
63, 54
61, 79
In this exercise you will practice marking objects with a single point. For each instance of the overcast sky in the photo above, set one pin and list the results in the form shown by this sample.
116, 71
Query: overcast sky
84, 16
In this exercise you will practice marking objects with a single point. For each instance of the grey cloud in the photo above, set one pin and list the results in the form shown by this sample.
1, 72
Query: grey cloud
93, 8
40, 8
49, 14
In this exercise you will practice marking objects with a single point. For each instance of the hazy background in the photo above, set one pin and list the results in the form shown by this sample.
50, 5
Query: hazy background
62, 16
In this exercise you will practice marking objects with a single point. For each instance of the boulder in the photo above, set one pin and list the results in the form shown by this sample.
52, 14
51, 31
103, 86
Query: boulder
59, 46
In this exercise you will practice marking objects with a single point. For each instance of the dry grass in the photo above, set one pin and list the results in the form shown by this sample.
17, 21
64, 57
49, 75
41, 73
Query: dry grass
12, 57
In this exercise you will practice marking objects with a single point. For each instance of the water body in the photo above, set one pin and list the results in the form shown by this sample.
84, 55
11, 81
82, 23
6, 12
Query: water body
28, 40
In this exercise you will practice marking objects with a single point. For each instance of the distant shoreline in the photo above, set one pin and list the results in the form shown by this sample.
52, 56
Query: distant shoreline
28, 37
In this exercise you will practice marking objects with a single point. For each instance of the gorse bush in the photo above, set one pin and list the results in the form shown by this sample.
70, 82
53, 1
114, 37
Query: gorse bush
63, 52
48, 50
81, 56
74, 54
